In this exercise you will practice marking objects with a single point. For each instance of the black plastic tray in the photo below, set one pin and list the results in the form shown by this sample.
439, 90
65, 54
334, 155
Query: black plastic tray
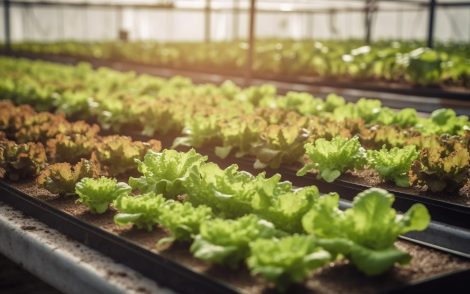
163, 270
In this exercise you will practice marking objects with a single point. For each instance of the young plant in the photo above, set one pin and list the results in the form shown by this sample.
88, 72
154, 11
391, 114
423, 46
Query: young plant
332, 158
442, 169
365, 233
143, 211
21, 161
61, 178
393, 164
164, 172
183, 220
287, 260
65, 148
98, 193
226, 241
117, 154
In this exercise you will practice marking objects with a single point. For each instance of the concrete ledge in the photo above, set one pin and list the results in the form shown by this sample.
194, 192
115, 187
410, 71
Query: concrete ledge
65, 264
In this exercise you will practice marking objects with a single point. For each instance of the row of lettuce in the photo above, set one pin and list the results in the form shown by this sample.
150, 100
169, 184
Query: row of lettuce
230, 217
331, 136
410, 62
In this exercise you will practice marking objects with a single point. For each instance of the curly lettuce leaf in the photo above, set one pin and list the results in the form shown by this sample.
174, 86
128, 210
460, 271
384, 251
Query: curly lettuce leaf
278, 203
143, 210
183, 220
21, 161
98, 193
165, 172
287, 260
365, 233
393, 164
444, 121
226, 241
332, 158
61, 178
227, 191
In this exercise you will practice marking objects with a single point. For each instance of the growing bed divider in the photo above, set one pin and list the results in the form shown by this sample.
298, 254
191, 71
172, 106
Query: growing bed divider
180, 278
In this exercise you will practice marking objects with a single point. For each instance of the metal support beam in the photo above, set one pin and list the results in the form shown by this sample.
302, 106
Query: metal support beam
251, 42
207, 22
236, 20
368, 13
432, 20
6, 17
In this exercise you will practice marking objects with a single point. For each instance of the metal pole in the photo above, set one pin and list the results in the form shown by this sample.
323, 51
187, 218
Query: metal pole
432, 16
6, 11
236, 19
367, 21
207, 23
251, 43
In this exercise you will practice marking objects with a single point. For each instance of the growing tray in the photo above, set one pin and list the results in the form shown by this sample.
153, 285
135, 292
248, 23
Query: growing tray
164, 270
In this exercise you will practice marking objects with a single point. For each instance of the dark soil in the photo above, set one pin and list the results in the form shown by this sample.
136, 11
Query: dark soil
338, 277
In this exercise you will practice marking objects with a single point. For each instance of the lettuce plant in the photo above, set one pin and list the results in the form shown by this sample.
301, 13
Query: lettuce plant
117, 154
365, 233
21, 161
226, 241
332, 158
393, 164
143, 210
64, 148
98, 193
165, 172
287, 260
61, 178
442, 169
183, 220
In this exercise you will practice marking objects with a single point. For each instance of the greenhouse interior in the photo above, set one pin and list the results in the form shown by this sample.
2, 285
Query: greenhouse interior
234, 146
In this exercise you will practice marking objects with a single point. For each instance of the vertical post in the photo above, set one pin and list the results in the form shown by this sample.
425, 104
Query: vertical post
6, 11
432, 16
207, 22
251, 43
236, 19
367, 21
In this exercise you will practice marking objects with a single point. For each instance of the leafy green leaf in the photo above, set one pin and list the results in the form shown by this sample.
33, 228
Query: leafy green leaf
286, 260
164, 172
393, 164
331, 158
143, 210
97, 194
227, 241
365, 233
